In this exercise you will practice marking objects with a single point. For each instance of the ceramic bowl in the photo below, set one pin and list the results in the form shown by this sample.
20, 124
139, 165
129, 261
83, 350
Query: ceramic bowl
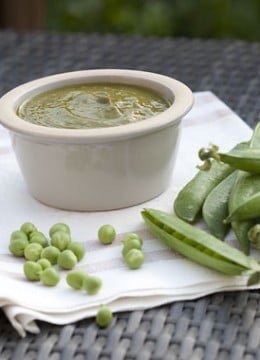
101, 168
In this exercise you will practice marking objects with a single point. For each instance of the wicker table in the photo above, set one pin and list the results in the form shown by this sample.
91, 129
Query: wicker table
222, 326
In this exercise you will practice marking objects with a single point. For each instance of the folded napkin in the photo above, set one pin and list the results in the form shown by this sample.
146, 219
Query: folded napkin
164, 277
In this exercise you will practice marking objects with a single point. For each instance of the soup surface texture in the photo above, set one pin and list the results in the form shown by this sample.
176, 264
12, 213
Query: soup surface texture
92, 106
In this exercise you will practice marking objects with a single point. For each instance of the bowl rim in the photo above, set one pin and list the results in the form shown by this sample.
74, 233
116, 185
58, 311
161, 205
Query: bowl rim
183, 101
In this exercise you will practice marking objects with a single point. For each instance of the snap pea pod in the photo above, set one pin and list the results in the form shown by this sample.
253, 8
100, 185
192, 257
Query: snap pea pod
255, 140
241, 229
199, 246
190, 199
250, 209
246, 159
189, 202
245, 186
215, 207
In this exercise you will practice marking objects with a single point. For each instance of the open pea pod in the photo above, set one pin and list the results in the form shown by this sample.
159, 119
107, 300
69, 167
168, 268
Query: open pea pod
199, 246
246, 159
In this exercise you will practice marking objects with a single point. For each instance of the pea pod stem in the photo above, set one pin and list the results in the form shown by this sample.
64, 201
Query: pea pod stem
198, 245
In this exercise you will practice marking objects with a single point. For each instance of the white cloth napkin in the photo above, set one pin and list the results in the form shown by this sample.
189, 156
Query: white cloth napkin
164, 277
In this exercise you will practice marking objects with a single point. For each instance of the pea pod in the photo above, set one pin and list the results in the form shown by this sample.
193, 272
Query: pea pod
241, 229
199, 246
190, 199
215, 207
255, 141
245, 186
247, 159
250, 209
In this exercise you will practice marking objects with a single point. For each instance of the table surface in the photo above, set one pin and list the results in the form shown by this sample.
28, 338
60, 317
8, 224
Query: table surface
221, 326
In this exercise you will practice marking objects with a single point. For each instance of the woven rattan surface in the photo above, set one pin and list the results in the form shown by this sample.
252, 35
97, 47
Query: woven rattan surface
221, 326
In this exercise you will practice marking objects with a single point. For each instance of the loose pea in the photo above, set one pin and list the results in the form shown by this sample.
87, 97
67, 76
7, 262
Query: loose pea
106, 234
75, 279
104, 316
50, 253
49, 277
59, 227
92, 284
131, 236
78, 249
60, 240
38, 238
17, 247
33, 251
32, 270
67, 260
134, 259
44, 263
28, 228
131, 244
18, 235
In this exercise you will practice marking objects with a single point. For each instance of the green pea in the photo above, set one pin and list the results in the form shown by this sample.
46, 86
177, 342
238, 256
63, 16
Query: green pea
28, 228
59, 227
92, 284
78, 249
67, 260
44, 263
104, 316
38, 238
33, 251
60, 240
131, 244
32, 270
131, 236
134, 259
50, 253
18, 235
49, 277
17, 247
106, 234
75, 279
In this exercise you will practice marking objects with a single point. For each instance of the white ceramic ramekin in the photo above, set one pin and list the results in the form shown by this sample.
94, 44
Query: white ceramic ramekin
97, 169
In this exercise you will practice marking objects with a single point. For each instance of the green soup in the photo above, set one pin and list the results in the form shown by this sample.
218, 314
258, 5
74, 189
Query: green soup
92, 106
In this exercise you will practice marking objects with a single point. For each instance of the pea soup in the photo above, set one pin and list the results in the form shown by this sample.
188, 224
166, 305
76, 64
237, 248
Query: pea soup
92, 106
